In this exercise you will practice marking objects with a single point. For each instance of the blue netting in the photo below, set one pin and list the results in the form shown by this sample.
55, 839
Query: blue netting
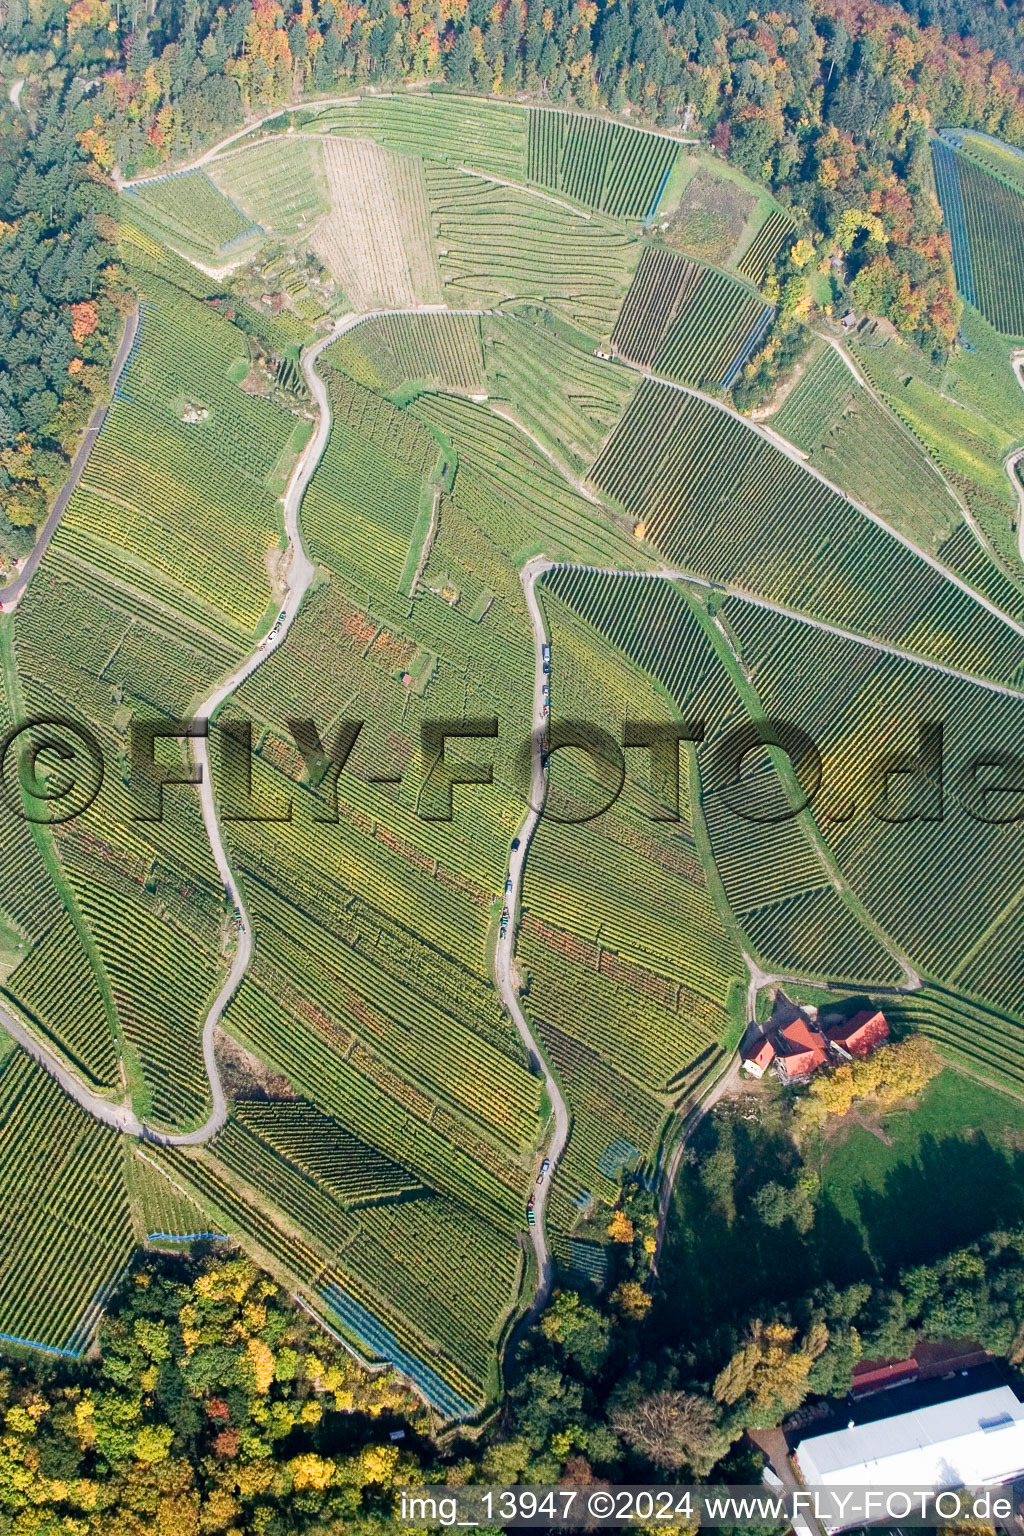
616, 1156
380, 1340
589, 1260
947, 184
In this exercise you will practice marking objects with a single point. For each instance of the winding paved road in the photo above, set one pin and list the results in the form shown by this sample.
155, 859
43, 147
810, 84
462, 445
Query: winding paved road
505, 975
301, 572
13, 590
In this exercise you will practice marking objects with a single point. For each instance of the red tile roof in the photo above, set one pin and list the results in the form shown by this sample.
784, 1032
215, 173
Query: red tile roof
760, 1059
873, 1375
810, 1051
802, 1064
861, 1034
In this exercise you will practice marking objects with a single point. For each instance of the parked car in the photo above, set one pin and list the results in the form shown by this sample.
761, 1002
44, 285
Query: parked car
545, 1165
515, 844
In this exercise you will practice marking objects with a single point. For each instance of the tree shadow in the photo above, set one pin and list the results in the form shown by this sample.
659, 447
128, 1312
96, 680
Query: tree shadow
716, 1269
956, 1189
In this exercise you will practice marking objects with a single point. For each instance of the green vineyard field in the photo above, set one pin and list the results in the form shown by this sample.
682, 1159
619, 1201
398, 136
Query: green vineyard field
64, 1203
763, 251
489, 136
688, 322
599, 163
734, 510
985, 214
498, 242
864, 448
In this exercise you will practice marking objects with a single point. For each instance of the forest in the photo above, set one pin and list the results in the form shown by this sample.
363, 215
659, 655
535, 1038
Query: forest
828, 102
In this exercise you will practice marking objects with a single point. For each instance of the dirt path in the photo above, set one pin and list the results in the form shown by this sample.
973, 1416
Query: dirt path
866, 384
724, 1084
518, 186
301, 572
14, 94
883, 646
315, 104
795, 454
563, 470
198, 161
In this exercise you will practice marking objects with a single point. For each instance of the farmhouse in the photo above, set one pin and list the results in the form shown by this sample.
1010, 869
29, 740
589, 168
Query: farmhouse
757, 1064
801, 1050
793, 1043
860, 1035
871, 1376
969, 1442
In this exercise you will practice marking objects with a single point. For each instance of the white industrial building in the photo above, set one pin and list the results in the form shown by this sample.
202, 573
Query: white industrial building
970, 1442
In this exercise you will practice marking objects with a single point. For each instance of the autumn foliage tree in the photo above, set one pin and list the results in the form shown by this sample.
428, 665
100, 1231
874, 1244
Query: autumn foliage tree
673, 1429
768, 1374
896, 1070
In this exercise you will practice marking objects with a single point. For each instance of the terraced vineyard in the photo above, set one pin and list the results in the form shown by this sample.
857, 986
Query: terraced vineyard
995, 156
564, 396
154, 466
966, 936
732, 509
499, 242
189, 212
632, 1016
864, 448
326, 1153
772, 873
390, 350
688, 322
56, 988
489, 136
385, 1127
599, 163
967, 416
363, 508
280, 183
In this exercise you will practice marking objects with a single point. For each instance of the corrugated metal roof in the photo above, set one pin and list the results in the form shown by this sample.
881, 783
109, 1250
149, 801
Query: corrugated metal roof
964, 1443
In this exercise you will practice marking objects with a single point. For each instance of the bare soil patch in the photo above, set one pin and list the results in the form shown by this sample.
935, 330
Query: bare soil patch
377, 241
244, 1076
